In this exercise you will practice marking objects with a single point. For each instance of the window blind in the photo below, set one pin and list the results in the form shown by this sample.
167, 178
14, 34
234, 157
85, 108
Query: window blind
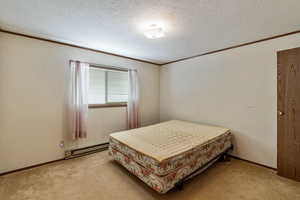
117, 86
97, 86
107, 86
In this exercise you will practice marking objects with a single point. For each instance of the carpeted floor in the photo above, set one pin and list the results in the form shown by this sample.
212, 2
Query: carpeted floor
96, 177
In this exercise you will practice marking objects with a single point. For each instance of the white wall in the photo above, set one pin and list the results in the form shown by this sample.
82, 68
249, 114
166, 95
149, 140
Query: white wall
235, 89
33, 96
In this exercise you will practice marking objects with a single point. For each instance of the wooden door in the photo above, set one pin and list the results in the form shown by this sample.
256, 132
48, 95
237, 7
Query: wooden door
288, 113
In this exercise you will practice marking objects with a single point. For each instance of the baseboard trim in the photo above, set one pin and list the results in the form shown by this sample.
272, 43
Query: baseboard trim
252, 162
61, 159
30, 167
53, 161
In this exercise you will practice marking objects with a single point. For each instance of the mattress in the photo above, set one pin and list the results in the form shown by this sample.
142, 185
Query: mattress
164, 153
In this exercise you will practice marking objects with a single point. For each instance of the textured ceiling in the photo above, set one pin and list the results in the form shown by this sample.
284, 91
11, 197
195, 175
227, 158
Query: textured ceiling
116, 26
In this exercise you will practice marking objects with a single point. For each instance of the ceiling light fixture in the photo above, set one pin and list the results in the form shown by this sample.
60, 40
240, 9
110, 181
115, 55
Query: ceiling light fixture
154, 31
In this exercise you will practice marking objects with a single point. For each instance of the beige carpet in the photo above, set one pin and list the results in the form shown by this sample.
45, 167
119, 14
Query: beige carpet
97, 177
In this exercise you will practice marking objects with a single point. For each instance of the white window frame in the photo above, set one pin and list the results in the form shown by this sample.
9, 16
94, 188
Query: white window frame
108, 104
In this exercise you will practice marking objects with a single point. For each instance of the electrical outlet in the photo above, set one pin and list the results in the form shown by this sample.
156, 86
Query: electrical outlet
61, 144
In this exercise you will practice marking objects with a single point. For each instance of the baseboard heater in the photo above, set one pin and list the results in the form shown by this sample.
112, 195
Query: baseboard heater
74, 153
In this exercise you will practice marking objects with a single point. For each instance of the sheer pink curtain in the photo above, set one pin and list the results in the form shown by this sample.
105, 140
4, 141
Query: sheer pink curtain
133, 120
78, 99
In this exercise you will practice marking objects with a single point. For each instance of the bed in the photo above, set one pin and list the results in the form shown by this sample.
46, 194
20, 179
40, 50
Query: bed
165, 154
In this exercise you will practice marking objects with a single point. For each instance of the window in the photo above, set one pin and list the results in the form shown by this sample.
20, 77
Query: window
107, 87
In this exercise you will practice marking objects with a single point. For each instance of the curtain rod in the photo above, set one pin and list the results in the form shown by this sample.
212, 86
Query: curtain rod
106, 66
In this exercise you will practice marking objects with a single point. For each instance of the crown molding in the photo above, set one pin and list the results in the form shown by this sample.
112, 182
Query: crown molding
232, 47
145, 61
76, 46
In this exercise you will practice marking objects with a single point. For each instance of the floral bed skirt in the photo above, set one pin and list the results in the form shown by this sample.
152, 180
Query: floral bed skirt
163, 176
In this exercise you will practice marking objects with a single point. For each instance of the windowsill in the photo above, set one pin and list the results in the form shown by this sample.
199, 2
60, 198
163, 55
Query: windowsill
108, 105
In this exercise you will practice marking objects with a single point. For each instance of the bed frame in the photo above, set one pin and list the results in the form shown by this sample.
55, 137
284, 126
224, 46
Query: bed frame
223, 157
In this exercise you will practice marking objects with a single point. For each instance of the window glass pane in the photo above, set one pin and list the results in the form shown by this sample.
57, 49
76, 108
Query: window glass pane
117, 86
97, 86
